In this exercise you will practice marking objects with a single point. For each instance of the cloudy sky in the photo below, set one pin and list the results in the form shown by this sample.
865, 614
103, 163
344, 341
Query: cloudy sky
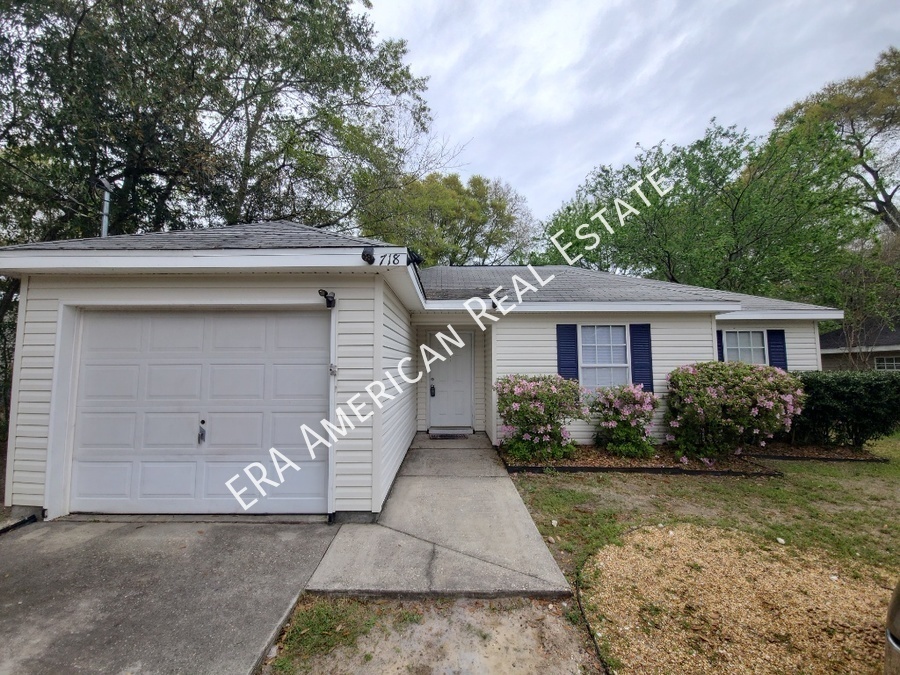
541, 92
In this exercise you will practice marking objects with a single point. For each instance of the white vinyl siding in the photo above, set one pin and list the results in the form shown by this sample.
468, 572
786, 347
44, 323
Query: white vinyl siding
748, 346
490, 394
35, 360
801, 339
527, 344
398, 417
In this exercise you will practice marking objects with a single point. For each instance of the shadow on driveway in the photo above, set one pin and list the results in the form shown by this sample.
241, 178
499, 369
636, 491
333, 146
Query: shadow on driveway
145, 597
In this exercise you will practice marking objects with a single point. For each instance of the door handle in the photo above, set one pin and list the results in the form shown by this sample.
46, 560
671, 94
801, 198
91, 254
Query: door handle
201, 435
432, 390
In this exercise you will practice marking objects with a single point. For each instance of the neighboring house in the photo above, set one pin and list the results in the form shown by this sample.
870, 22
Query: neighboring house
876, 346
151, 369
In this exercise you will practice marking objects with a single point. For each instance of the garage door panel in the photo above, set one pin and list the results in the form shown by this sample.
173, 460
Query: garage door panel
110, 332
236, 430
284, 430
174, 382
170, 430
158, 480
307, 335
175, 333
105, 430
217, 473
239, 333
298, 382
247, 382
307, 483
254, 377
110, 480
109, 382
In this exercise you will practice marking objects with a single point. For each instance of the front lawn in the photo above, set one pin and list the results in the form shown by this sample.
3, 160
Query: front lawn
843, 512
848, 509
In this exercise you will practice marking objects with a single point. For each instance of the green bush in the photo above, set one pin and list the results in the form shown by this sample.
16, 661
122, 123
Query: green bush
848, 407
622, 416
535, 409
715, 408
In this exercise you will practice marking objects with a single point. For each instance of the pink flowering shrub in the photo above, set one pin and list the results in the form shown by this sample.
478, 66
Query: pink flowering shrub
715, 408
535, 409
623, 415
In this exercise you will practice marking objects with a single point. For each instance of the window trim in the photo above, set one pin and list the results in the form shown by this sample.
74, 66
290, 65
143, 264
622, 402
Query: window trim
625, 366
765, 336
895, 363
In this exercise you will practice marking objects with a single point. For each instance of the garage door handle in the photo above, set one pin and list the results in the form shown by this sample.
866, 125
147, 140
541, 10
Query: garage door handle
201, 435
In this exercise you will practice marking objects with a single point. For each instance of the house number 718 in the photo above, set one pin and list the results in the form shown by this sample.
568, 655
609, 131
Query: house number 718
390, 259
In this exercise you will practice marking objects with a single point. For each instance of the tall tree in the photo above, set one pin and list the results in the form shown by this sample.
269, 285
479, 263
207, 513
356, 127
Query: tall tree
482, 222
867, 288
201, 112
866, 113
743, 214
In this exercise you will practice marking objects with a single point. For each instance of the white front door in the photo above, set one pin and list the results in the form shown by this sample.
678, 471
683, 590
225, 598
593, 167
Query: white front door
451, 390
173, 404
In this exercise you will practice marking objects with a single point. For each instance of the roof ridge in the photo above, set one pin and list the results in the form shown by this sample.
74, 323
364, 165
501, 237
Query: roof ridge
275, 233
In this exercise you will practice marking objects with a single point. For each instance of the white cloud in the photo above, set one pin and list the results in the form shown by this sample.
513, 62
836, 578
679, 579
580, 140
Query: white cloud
541, 92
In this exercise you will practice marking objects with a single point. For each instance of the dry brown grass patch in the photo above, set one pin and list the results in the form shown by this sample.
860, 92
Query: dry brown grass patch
710, 600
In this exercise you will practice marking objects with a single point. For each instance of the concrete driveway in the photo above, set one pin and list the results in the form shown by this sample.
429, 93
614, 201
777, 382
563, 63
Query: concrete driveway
150, 597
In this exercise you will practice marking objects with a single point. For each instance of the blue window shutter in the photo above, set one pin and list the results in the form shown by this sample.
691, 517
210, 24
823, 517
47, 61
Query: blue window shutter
641, 355
567, 350
719, 346
777, 349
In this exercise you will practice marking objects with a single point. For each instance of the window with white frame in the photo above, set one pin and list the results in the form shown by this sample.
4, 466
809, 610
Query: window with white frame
604, 356
748, 346
887, 363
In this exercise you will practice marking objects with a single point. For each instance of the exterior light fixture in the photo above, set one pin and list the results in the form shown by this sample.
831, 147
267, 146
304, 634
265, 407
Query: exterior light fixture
329, 298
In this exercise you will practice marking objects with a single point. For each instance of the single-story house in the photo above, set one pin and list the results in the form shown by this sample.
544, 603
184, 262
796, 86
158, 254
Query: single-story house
154, 372
875, 347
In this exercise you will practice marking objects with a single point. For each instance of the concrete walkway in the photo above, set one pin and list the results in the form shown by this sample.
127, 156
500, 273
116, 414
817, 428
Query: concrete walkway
454, 525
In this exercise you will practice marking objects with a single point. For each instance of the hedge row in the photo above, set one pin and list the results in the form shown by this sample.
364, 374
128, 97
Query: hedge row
845, 407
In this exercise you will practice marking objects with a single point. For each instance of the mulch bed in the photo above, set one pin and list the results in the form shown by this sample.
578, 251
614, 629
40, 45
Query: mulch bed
591, 459
814, 452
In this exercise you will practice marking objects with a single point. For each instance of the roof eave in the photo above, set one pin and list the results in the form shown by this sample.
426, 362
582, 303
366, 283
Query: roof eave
586, 307
18, 263
860, 349
822, 314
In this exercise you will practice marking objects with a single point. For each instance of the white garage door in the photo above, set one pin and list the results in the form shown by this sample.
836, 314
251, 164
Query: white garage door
149, 381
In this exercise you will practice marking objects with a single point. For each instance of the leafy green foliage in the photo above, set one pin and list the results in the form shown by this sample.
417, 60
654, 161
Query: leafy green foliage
201, 111
535, 409
866, 114
622, 416
447, 222
766, 216
716, 407
848, 407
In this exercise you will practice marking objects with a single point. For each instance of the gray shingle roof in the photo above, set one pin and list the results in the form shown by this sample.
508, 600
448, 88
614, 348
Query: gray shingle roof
872, 335
270, 234
575, 284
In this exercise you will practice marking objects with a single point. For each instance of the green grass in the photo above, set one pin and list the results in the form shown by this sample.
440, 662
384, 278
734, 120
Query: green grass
319, 626
406, 617
849, 510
